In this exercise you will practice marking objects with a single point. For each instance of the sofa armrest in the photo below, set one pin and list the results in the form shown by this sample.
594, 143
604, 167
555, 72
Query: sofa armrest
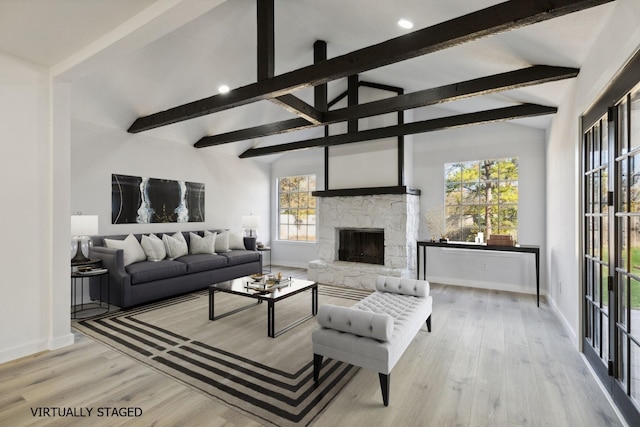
397, 285
356, 322
112, 259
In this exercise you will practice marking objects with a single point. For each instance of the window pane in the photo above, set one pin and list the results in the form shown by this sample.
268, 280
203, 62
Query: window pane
634, 245
634, 120
634, 184
479, 196
623, 135
624, 234
634, 290
297, 207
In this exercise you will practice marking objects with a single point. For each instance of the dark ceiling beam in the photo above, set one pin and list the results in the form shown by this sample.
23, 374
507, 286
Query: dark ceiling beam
492, 20
265, 38
443, 123
534, 75
320, 93
295, 105
265, 21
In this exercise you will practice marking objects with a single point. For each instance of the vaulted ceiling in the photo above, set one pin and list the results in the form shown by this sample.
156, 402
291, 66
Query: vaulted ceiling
219, 47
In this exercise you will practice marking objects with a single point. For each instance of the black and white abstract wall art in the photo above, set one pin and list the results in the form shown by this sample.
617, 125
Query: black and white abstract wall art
142, 200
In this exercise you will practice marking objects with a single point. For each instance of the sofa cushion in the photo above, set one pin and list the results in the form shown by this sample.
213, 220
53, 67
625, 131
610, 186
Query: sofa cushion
147, 271
406, 311
236, 241
202, 262
222, 241
153, 247
236, 257
175, 245
357, 322
398, 285
202, 245
132, 251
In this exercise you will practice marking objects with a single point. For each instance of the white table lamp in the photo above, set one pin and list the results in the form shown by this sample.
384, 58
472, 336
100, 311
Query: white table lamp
250, 223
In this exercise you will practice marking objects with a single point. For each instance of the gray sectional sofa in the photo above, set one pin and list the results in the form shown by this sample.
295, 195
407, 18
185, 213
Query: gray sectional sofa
147, 280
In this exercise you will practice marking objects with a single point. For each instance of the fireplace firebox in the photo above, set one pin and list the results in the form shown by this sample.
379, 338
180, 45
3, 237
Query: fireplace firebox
365, 245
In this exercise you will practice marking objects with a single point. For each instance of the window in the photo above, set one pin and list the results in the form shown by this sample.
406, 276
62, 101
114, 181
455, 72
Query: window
297, 208
481, 197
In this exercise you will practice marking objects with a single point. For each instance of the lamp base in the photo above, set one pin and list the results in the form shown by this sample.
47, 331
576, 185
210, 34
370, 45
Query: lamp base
79, 258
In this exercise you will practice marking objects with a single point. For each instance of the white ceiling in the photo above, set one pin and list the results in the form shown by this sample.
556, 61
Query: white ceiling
220, 47
49, 31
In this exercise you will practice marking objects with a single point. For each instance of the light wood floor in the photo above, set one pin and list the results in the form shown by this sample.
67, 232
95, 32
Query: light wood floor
493, 358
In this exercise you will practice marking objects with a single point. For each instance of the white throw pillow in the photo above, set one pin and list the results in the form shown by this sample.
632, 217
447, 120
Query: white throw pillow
236, 240
202, 245
175, 245
153, 247
222, 241
133, 252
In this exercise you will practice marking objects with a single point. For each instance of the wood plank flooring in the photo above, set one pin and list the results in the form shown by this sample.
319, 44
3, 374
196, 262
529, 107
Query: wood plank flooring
493, 358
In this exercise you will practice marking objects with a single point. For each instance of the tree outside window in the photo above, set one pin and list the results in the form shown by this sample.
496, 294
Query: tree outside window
481, 196
297, 208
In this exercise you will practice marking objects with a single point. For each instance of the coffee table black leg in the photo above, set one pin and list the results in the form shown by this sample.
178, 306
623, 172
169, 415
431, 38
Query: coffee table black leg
271, 319
211, 301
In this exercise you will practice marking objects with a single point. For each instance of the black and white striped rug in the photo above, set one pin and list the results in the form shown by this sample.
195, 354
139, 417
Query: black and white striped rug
232, 359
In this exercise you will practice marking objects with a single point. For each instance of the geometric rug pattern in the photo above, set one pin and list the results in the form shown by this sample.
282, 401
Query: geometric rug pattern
231, 359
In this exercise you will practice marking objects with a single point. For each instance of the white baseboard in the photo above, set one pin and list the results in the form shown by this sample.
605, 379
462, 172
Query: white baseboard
290, 265
35, 347
479, 284
565, 324
63, 341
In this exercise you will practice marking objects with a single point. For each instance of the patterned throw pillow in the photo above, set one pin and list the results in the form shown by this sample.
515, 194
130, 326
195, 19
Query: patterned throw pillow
176, 245
153, 247
202, 245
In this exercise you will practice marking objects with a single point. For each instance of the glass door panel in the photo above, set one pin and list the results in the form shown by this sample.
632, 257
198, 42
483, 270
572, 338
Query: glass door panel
611, 248
626, 349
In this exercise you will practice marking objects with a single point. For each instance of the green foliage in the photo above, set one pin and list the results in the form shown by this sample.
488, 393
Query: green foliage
481, 196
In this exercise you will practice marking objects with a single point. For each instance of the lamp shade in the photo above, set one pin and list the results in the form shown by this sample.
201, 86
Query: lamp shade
84, 225
250, 221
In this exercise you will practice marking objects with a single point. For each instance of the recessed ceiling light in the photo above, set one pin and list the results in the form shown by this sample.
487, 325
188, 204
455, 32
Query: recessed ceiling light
405, 23
223, 89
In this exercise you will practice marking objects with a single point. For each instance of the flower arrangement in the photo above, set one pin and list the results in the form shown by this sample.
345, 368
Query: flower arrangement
434, 217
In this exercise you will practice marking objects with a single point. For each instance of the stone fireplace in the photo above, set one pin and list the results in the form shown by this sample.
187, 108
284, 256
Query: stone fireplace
392, 217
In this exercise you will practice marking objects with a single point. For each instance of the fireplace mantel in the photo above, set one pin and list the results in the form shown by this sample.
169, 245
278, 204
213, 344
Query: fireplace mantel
367, 191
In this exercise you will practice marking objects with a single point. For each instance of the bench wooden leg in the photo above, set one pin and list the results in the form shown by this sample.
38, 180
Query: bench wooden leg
429, 323
317, 363
385, 381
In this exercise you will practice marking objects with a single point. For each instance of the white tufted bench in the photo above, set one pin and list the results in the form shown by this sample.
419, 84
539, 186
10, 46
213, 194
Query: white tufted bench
374, 332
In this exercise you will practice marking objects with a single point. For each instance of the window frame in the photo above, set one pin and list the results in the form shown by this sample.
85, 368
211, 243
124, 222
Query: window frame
311, 227
465, 201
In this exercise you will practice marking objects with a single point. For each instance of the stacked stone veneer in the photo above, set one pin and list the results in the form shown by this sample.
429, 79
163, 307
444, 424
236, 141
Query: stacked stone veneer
397, 214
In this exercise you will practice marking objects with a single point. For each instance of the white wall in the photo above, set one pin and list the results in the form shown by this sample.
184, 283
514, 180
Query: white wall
369, 163
563, 144
34, 310
505, 271
233, 187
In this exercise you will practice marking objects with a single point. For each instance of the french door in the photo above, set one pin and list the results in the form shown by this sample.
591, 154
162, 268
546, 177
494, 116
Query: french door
611, 246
